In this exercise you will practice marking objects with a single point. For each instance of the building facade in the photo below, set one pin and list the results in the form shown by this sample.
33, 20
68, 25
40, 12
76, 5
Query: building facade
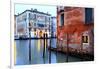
15, 25
39, 22
53, 26
75, 29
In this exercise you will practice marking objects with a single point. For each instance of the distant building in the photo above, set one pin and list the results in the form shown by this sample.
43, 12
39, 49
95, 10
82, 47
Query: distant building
75, 28
15, 25
40, 23
54, 26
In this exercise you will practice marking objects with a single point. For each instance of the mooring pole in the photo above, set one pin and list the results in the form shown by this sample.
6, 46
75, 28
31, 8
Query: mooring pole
50, 52
67, 48
29, 43
44, 46
30, 51
46, 40
82, 47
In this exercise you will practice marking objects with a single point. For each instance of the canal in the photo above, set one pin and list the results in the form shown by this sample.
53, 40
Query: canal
36, 47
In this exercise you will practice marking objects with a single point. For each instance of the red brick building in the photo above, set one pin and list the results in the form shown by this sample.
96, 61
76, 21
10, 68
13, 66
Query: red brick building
75, 29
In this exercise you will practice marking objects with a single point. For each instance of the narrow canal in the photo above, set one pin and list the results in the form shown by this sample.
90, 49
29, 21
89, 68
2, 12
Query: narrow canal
37, 47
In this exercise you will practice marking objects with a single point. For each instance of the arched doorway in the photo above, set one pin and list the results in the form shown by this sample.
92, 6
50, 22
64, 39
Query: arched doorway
40, 34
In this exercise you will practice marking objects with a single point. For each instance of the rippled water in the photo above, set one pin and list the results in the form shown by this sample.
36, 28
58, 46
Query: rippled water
37, 46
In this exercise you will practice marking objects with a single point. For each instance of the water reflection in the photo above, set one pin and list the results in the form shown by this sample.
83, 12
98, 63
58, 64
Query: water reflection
37, 47
22, 52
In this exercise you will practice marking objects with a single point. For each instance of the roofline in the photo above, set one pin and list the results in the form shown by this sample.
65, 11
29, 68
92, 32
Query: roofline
33, 12
53, 17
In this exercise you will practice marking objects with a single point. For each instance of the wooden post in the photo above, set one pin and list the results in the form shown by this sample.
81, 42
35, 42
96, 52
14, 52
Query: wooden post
44, 46
46, 40
30, 51
50, 52
67, 47
82, 48
29, 45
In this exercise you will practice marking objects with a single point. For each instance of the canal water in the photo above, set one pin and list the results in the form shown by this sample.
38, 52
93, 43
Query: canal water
36, 48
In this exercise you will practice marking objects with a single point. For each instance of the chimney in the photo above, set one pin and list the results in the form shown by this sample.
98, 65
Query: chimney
47, 13
31, 9
35, 9
18, 13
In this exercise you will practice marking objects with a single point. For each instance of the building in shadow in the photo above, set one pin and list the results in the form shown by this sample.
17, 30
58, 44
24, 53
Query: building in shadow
75, 29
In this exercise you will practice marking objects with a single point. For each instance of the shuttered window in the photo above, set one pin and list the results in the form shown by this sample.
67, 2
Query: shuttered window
88, 15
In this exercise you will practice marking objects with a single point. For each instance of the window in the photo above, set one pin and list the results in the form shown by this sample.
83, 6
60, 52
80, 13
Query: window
85, 39
47, 19
40, 18
88, 15
30, 24
45, 25
40, 25
34, 29
34, 24
62, 20
32, 16
60, 8
45, 30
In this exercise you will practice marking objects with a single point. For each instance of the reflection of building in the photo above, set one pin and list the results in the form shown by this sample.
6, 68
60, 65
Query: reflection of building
75, 28
39, 21
53, 26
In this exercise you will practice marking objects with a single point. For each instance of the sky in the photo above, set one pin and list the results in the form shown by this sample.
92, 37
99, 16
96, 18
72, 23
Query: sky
42, 8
